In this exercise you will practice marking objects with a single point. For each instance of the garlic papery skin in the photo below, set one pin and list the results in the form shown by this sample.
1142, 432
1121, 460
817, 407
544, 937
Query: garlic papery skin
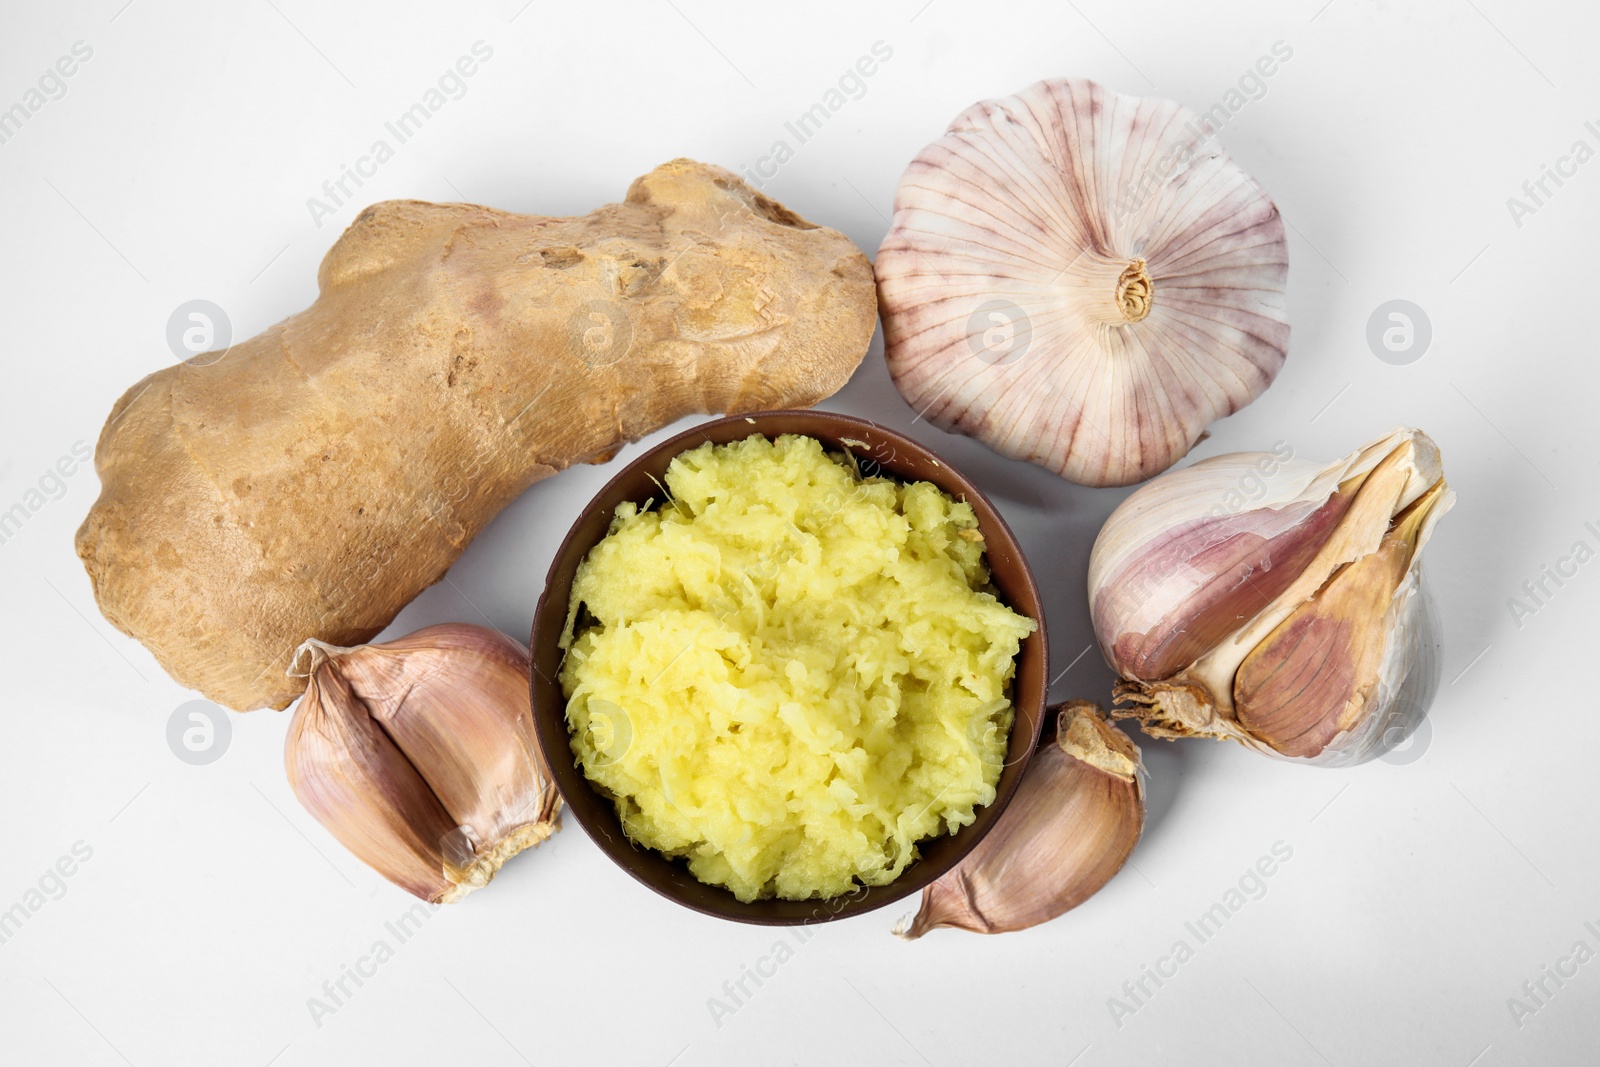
419, 756
1077, 278
1070, 827
1293, 622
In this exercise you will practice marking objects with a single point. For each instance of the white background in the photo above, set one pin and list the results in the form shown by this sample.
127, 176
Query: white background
1421, 893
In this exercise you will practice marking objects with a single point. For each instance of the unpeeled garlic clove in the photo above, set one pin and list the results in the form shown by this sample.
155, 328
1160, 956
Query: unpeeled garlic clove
1313, 676
1076, 816
1294, 622
1079, 279
419, 756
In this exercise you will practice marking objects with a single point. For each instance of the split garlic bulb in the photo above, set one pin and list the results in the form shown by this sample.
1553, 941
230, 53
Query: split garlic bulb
1267, 600
419, 756
1076, 279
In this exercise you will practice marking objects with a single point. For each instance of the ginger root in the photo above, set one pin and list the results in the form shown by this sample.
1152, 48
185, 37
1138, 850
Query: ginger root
311, 481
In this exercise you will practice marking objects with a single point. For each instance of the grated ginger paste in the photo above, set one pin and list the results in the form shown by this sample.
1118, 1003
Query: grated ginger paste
788, 674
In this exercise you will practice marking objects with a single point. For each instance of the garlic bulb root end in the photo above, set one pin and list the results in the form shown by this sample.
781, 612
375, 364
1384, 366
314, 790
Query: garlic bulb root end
1167, 710
1135, 291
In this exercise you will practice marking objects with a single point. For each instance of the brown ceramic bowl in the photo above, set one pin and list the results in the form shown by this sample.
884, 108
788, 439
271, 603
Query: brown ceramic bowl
893, 455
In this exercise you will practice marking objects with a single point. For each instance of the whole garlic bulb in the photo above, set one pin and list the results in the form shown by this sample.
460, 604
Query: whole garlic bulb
1267, 600
1076, 279
419, 756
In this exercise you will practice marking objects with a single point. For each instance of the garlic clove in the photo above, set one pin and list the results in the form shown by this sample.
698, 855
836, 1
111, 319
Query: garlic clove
1076, 816
1330, 647
1315, 674
1404, 466
439, 723
1181, 595
1076, 278
353, 779
1201, 548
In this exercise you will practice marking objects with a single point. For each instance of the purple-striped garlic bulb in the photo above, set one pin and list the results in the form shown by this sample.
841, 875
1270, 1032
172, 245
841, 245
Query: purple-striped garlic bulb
1080, 279
1263, 599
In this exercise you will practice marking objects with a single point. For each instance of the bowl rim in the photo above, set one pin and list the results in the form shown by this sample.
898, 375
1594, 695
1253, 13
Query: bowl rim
595, 811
